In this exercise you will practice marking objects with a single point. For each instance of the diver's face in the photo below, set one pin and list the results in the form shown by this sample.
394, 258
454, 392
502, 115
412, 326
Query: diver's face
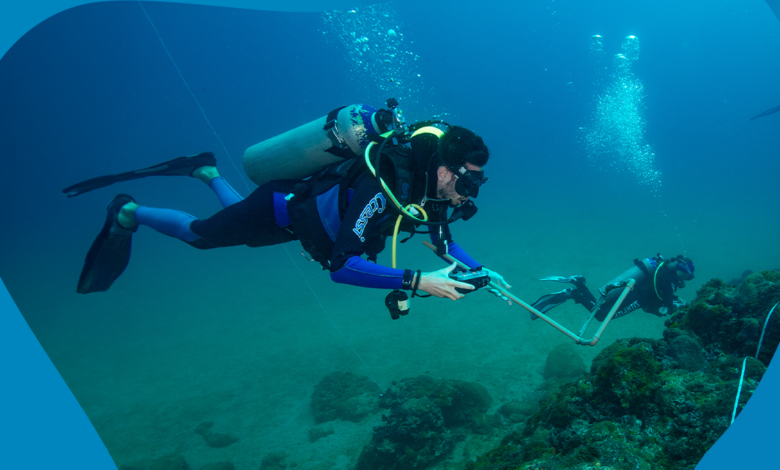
445, 187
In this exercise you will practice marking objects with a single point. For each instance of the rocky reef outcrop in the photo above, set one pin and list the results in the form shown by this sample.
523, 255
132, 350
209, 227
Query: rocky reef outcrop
655, 403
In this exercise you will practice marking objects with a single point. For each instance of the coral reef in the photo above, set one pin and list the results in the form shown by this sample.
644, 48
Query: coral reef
426, 419
345, 396
517, 411
653, 404
644, 403
729, 319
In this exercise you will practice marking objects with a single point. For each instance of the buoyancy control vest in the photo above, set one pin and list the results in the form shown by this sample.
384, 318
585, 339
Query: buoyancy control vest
318, 204
648, 269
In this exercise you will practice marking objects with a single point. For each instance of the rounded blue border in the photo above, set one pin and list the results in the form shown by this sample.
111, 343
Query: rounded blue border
44, 426
16, 18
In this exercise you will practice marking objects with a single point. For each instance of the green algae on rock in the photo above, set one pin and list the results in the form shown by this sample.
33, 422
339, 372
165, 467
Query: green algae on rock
654, 404
427, 418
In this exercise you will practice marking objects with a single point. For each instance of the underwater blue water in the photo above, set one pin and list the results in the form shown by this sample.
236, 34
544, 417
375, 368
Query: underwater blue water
91, 91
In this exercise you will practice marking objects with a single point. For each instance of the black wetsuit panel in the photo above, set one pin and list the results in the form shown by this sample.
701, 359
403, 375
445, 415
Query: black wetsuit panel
642, 296
250, 222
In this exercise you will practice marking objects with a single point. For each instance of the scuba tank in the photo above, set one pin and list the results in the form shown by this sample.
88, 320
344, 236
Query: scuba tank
342, 134
638, 272
676, 270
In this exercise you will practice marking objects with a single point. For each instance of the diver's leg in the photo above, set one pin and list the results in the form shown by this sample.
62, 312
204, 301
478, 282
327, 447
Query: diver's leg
583, 296
630, 304
579, 293
259, 220
225, 193
169, 222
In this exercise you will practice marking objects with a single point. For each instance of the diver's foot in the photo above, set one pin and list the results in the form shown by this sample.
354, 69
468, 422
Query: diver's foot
205, 173
125, 216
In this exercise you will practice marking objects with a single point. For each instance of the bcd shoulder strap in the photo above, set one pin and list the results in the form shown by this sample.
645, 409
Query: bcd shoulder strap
305, 214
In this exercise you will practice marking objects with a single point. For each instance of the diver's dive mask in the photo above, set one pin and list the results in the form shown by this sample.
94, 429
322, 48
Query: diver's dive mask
468, 181
683, 271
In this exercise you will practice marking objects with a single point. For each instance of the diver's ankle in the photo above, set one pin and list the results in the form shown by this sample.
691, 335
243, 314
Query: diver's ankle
205, 173
126, 216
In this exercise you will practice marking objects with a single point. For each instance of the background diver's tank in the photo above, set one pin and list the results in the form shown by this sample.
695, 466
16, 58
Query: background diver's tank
631, 273
303, 151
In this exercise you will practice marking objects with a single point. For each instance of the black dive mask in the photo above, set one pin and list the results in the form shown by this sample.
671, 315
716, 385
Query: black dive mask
682, 271
468, 181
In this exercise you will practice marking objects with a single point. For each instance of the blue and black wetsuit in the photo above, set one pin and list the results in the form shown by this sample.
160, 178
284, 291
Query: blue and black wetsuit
357, 220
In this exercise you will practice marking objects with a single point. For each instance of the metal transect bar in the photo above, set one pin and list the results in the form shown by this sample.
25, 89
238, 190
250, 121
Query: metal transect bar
577, 338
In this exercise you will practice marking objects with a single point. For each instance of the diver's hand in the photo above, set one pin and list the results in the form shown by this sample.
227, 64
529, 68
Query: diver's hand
439, 284
500, 295
497, 278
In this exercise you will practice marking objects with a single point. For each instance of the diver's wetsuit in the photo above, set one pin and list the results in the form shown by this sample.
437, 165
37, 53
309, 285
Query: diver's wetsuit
643, 296
262, 219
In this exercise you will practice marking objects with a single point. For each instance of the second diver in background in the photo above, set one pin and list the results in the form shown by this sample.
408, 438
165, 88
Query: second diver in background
657, 280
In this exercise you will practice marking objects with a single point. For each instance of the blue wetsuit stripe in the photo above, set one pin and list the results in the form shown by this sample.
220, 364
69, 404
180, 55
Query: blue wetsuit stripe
359, 272
225, 193
455, 251
171, 222
281, 214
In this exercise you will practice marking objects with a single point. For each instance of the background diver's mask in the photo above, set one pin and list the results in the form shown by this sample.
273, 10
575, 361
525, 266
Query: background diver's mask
468, 181
682, 271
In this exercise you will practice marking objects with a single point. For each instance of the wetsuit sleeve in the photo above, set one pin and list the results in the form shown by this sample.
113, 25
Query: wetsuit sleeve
453, 248
360, 234
362, 273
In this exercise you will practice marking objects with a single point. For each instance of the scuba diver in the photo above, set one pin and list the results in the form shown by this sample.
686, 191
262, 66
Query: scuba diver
657, 280
323, 184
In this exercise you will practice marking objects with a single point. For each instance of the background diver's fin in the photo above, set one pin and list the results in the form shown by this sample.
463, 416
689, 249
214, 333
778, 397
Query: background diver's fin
566, 279
182, 166
767, 112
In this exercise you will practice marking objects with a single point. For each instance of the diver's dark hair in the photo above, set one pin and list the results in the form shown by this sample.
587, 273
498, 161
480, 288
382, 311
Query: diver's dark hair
459, 145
